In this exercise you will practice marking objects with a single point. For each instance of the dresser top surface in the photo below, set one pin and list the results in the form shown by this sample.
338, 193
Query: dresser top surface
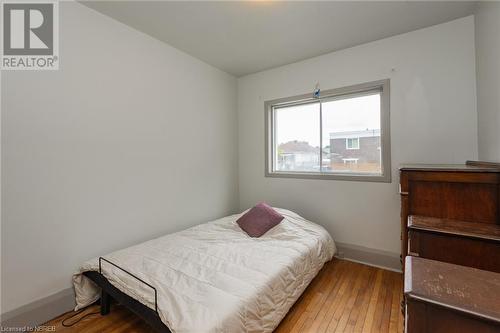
459, 288
448, 167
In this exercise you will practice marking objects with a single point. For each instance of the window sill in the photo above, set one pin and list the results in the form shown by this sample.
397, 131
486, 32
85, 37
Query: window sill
357, 177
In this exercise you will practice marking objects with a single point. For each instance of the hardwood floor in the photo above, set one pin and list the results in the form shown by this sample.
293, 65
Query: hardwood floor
344, 297
348, 297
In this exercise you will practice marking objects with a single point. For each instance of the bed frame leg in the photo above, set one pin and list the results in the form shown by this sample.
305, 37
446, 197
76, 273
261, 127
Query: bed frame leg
105, 303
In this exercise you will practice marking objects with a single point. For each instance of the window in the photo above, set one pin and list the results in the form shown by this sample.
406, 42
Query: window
344, 134
352, 143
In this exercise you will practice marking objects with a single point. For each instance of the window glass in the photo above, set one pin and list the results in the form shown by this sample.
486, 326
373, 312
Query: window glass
352, 143
351, 135
297, 138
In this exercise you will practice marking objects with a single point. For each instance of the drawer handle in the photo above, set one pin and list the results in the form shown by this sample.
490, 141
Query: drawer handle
413, 254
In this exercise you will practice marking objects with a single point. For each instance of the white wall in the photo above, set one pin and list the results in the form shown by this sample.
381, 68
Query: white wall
433, 120
488, 79
129, 140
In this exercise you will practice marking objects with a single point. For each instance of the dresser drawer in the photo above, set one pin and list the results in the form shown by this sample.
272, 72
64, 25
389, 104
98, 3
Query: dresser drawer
455, 242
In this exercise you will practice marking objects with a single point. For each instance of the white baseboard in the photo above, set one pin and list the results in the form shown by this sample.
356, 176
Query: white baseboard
372, 257
40, 311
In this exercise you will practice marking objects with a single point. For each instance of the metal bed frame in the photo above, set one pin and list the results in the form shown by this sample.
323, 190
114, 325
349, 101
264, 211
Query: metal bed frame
110, 292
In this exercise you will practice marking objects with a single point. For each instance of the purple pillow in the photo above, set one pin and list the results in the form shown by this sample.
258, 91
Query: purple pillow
258, 220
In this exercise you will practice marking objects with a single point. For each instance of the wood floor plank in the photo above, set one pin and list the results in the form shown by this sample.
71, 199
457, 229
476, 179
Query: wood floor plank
379, 315
372, 306
342, 321
386, 312
344, 297
342, 274
358, 314
299, 311
339, 298
400, 317
322, 294
395, 305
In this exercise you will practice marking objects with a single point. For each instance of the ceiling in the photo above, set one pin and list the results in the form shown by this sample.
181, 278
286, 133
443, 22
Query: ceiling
246, 37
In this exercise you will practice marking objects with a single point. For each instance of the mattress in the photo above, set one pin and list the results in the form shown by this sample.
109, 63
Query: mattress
213, 277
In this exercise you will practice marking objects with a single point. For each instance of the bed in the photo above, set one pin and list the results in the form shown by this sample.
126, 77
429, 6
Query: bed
212, 277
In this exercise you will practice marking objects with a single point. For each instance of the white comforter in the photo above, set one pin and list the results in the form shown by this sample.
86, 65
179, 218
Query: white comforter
215, 278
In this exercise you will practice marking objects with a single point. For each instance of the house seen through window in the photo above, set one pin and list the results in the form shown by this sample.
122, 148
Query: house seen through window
334, 136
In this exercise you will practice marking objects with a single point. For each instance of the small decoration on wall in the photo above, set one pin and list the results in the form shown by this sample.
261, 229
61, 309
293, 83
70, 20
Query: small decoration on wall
317, 91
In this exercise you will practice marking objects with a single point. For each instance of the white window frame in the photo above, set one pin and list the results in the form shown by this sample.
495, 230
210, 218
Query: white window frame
381, 86
347, 144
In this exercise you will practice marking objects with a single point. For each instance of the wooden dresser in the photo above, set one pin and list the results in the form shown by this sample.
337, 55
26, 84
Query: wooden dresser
455, 194
442, 297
